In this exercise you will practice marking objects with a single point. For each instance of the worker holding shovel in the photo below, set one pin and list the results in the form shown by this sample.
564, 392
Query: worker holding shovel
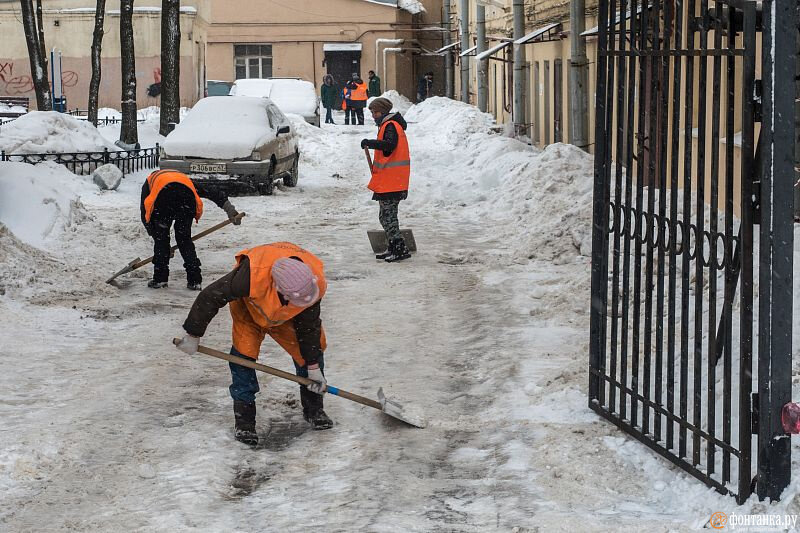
274, 289
390, 170
168, 197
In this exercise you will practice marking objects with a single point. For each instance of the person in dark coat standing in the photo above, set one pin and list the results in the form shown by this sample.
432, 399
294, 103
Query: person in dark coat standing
391, 170
171, 197
425, 87
358, 98
328, 97
374, 89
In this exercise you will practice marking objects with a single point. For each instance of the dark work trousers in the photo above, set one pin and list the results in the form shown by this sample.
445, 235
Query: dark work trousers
175, 204
244, 383
358, 113
349, 112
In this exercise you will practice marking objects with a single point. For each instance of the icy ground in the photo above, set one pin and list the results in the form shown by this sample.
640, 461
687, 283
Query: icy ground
106, 427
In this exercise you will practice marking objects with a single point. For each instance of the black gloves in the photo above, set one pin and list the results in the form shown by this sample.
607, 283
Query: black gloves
364, 143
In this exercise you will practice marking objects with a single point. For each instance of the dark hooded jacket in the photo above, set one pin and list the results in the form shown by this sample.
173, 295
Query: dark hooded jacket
388, 145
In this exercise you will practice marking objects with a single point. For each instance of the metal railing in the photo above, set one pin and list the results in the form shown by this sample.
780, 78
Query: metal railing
86, 162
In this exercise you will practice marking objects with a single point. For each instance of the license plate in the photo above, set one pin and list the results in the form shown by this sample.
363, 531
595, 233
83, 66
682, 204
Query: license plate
208, 167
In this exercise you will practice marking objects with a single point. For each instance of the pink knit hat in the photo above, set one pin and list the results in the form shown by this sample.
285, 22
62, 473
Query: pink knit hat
295, 281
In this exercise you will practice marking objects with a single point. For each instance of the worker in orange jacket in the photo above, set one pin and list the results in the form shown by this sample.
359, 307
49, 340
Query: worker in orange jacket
171, 197
391, 170
358, 98
274, 289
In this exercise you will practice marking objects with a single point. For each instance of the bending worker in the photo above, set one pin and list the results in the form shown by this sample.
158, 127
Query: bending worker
274, 289
168, 197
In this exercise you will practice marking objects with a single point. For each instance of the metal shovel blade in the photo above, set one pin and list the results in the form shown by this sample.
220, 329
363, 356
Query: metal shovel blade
395, 410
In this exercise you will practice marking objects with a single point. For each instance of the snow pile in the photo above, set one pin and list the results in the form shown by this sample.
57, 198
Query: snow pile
51, 132
107, 177
221, 127
400, 102
5, 108
108, 112
38, 203
22, 264
452, 122
412, 6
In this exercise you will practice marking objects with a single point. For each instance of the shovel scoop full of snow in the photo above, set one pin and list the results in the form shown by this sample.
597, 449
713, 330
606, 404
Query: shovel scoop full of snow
388, 407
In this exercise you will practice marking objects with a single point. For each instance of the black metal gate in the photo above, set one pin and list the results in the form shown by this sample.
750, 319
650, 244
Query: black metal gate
679, 186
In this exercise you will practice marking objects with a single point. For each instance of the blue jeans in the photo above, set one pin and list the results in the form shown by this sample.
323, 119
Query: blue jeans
328, 115
244, 384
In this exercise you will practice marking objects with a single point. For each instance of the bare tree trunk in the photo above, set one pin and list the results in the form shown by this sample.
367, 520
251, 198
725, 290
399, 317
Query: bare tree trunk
128, 133
170, 63
97, 44
40, 22
38, 67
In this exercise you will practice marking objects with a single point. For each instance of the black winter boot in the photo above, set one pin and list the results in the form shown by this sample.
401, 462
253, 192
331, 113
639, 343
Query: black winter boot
153, 284
245, 416
312, 410
389, 251
399, 251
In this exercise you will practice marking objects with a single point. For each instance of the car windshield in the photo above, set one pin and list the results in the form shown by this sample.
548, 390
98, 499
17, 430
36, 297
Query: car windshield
218, 88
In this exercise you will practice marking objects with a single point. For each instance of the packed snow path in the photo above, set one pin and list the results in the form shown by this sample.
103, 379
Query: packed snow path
106, 427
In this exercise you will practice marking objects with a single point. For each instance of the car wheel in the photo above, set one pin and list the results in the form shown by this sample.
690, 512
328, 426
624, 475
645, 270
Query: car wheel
290, 180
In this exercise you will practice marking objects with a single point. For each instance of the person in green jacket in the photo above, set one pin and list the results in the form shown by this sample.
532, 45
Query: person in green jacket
328, 97
374, 88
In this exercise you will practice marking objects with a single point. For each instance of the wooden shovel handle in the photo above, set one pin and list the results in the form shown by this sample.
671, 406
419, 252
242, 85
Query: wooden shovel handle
369, 159
285, 375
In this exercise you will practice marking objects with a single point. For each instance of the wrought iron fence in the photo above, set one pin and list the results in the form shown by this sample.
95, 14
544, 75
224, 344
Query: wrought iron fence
83, 114
678, 188
86, 162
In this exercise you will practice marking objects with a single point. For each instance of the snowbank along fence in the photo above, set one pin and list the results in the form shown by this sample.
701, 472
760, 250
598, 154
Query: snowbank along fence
86, 162
101, 121
678, 359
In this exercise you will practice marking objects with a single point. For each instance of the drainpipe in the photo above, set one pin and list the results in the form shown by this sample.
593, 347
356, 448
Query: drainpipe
449, 75
578, 77
464, 23
519, 68
378, 43
483, 64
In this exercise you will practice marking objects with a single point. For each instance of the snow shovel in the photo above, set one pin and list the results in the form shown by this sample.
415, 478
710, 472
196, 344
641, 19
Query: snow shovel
388, 407
139, 263
377, 237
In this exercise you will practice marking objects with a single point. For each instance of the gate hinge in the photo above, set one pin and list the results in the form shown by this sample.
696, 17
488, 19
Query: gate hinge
755, 413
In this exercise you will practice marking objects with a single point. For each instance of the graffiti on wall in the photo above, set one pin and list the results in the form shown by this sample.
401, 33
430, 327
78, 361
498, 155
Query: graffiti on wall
11, 85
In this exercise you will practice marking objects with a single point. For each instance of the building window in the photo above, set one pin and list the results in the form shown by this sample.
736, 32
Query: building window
252, 60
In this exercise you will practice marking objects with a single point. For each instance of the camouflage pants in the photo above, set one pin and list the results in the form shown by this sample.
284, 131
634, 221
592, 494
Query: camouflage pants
388, 217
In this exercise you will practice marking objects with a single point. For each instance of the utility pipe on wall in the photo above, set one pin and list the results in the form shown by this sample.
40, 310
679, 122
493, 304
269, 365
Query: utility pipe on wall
449, 75
378, 43
578, 77
464, 23
519, 68
483, 64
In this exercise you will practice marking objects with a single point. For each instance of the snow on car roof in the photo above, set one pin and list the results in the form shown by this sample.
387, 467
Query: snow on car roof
221, 127
291, 95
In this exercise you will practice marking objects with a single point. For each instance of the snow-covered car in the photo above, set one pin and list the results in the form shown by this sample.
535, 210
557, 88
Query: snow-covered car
235, 142
291, 95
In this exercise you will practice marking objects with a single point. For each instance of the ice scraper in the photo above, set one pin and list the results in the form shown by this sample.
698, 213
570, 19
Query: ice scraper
377, 237
139, 263
383, 404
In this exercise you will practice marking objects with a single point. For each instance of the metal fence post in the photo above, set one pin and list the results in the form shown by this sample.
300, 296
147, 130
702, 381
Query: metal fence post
776, 246
105, 156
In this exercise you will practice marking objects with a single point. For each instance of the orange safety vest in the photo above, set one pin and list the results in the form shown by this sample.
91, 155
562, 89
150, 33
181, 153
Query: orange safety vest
160, 179
391, 174
360, 92
262, 312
